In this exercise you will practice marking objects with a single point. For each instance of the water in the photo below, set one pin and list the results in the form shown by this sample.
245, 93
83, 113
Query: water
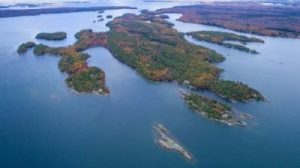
141, 4
43, 124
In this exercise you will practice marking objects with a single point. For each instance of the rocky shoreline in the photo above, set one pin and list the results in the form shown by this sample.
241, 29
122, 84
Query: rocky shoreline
215, 110
165, 140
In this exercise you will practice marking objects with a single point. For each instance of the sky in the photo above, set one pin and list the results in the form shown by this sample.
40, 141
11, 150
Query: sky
60, 1
110, 1
45, 1
6, 2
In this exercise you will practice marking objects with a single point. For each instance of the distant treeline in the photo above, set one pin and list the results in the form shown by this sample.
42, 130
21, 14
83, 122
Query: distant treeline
30, 12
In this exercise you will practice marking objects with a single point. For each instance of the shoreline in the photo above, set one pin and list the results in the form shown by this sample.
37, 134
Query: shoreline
5, 13
167, 142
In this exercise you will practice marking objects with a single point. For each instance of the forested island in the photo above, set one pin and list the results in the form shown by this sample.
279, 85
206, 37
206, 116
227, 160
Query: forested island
51, 36
109, 16
224, 39
152, 47
251, 17
215, 110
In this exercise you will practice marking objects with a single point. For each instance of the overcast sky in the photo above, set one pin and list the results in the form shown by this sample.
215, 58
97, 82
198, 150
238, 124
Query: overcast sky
56, 1
50, 1
113, 1
60, 1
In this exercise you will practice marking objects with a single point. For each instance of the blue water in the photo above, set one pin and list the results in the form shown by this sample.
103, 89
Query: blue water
44, 124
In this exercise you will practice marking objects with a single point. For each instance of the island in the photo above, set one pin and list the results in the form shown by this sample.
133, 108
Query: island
165, 140
150, 45
52, 36
249, 17
23, 48
109, 16
215, 110
225, 39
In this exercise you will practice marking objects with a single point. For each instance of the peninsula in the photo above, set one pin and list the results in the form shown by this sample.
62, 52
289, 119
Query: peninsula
225, 39
23, 48
235, 91
165, 140
160, 53
81, 77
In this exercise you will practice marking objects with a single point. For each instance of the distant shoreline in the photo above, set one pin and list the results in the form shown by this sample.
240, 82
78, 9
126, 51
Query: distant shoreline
254, 18
33, 12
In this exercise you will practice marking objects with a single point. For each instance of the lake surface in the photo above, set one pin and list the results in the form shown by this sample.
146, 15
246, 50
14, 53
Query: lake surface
44, 124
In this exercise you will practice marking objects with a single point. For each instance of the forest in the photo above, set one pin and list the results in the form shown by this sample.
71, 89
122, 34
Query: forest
225, 39
160, 53
249, 17
81, 77
151, 46
51, 36
24, 47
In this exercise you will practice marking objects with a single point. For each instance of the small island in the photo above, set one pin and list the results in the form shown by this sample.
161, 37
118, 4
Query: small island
52, 36
165, 140
109, 16
224, 39
23, 48
215, 110
100, 20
